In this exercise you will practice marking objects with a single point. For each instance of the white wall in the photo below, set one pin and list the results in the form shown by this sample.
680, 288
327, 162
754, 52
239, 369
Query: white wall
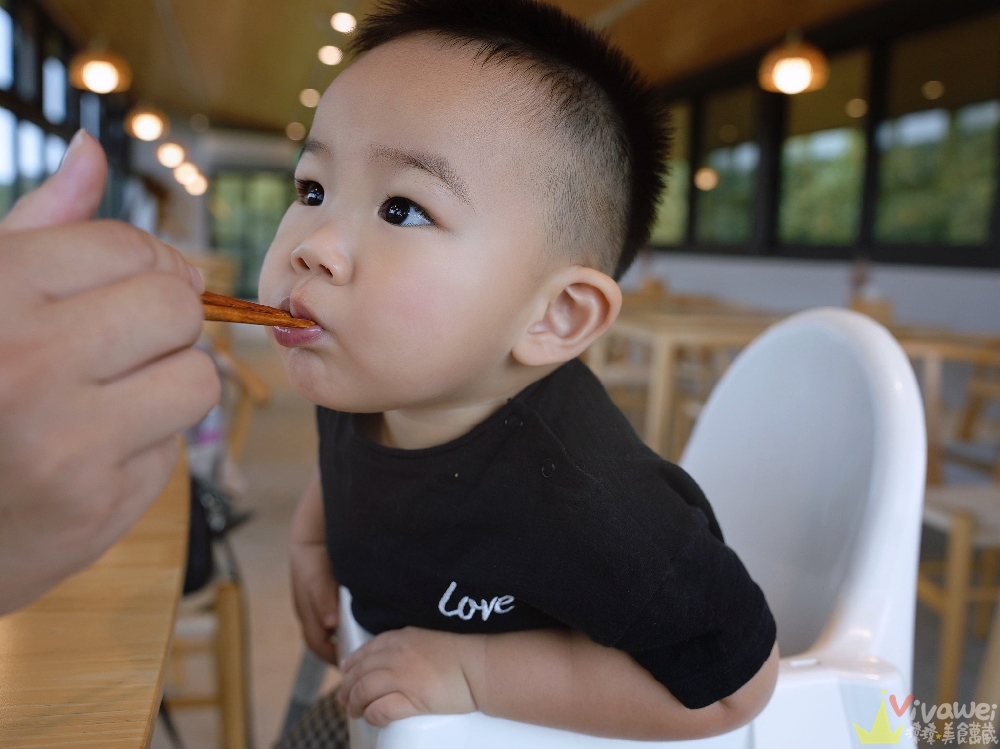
967, 300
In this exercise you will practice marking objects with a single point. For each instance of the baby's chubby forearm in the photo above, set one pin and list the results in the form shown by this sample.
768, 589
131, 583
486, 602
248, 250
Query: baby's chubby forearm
561, 678
557, 678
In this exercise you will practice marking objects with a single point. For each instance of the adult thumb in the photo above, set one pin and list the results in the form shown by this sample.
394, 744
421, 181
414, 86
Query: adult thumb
71, 194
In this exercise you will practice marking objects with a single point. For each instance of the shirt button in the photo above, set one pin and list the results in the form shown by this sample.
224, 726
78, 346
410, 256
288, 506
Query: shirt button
513, 421
548, 468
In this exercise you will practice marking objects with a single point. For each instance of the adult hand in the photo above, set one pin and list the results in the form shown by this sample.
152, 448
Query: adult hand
97, 374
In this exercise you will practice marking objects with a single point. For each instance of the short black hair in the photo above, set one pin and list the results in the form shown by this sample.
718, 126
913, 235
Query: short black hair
616, 120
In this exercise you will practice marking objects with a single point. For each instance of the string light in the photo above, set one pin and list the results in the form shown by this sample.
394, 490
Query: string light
170, 155
345, 23
309, 97
706, 179
197, 186
146, 123
186, 173
330, 55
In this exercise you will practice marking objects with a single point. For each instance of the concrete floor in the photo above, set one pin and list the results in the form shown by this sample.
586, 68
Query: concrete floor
279, 458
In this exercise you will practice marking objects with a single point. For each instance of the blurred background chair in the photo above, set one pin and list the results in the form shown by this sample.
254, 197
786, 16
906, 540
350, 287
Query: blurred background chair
812, 451
969, 516
212, 620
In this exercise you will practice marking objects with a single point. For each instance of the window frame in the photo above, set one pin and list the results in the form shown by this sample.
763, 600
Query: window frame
875, 29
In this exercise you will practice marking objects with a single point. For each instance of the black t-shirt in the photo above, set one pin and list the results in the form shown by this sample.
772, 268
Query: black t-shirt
550, 513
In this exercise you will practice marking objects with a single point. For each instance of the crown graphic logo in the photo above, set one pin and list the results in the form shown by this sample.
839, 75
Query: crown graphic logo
881, 733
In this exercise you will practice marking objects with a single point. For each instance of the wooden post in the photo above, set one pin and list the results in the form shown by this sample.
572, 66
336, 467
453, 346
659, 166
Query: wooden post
958, 567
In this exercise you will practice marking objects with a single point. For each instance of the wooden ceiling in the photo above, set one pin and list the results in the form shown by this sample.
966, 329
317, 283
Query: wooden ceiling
243, 62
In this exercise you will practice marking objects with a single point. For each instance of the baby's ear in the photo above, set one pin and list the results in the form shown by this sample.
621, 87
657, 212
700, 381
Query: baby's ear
581, 305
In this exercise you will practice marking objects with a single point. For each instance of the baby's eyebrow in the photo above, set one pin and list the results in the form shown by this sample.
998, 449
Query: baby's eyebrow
317, 147
435, 165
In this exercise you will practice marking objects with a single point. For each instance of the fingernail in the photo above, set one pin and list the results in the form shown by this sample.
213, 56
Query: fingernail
74, 143
196, 280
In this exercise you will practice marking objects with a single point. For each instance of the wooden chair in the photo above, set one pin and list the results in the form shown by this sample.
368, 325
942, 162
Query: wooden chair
970, 516
212, 621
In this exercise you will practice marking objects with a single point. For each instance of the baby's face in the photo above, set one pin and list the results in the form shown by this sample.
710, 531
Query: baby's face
419, 243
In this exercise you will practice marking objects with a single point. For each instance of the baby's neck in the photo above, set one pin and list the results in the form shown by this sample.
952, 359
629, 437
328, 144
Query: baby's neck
416, 428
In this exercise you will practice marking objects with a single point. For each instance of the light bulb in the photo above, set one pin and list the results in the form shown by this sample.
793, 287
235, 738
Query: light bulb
932, 90
295, 131
856, 108
170, 155
792, 75
100, 76
197, 186
330, 55
146, 126
186, 173
706, 178
345, 23
309, 97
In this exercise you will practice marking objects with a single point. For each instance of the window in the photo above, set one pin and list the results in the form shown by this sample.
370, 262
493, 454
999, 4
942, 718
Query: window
727, 167
26, 52
671, 216
938, 145
245, 210
6, 49
823, 158
30, 155
54, 90
8, 160
55, 148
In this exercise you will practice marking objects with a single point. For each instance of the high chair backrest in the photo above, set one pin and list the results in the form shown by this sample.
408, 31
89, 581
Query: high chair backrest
811, 451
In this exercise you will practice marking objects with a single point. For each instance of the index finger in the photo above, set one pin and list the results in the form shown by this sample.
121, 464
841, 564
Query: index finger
57, 262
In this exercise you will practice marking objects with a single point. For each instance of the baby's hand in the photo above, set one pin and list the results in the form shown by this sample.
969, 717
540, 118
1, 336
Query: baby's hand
409, 672
316, 597
314, 590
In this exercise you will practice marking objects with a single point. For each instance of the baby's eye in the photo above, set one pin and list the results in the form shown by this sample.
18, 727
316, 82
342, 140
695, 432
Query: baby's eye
404, 212
310, 193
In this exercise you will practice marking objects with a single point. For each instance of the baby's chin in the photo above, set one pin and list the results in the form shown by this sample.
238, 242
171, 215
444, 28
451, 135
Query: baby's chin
310, 378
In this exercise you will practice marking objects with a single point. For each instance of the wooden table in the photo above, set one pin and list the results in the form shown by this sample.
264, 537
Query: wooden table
83, 666
666, 332
666, 328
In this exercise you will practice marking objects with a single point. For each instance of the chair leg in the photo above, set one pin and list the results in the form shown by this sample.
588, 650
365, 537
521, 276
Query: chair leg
958, 569
232, 681
988, 561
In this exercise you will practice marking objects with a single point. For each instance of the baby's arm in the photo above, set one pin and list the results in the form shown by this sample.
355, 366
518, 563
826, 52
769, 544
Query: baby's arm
314, 591
557, 678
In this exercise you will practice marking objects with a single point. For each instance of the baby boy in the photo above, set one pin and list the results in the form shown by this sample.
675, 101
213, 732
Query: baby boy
471, 189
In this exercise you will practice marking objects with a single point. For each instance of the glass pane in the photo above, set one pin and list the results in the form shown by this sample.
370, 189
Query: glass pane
90, 114
30, 155
246, 209
8, 160
55, 147
727, 167
6, 49
54, 90
937, 177
672, 213
823, 158
27, 54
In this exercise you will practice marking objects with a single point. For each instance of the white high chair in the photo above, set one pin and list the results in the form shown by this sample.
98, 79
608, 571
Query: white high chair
812, 452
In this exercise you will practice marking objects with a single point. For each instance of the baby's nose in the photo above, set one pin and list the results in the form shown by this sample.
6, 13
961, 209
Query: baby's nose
324, 260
